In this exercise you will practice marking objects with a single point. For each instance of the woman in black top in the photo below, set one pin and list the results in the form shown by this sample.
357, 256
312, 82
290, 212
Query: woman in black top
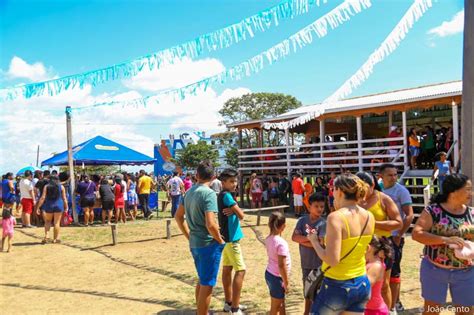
108, 198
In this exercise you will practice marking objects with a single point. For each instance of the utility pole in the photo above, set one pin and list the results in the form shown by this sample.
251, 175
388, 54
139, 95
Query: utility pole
467, 114
37, 155
72, 177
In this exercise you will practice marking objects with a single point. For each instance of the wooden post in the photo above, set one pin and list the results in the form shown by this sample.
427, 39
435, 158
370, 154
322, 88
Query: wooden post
259, 213
467, 113
241, 175
114, 234
359, 143
72, 178
455, 133
322, 136
404, 135
168, 229
288, 164
390, 120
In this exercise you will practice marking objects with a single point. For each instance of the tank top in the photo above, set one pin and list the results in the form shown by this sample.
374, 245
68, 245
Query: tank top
352, 266
379, 215
376, 301
413, 142
6, 193
54, 204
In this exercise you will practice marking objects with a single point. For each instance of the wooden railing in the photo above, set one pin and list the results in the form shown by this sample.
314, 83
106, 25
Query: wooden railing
325, 157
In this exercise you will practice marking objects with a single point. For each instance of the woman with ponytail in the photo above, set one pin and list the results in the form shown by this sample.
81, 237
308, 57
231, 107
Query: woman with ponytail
349, 230
446, 228
279, 263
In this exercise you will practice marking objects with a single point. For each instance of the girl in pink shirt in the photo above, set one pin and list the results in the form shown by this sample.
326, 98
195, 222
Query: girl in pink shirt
279, 263
8, 222
379, 249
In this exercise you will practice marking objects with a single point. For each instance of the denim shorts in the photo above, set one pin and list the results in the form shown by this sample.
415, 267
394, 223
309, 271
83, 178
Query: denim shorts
207, 260
275, 285
435, 282
414, 151
337, 296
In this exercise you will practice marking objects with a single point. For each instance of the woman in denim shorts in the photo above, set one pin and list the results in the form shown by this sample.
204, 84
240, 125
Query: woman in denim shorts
444, 227
345, 287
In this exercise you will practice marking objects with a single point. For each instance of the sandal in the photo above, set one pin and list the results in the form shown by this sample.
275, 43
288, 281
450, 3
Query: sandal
56, 241
44, 241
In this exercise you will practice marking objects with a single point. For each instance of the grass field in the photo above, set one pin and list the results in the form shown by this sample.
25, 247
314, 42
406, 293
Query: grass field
144, 273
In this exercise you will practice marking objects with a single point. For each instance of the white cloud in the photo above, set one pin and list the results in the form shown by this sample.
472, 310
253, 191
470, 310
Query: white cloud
21, 69
175, 75
25, 123
451, 27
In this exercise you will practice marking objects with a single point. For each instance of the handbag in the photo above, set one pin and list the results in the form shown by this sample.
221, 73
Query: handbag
314, 280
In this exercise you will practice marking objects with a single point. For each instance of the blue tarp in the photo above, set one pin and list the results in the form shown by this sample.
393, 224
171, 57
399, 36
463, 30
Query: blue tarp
101, 151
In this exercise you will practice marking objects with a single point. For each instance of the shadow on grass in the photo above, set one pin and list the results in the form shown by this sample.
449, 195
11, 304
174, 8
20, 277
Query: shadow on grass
26, 244
164, 302
184, 278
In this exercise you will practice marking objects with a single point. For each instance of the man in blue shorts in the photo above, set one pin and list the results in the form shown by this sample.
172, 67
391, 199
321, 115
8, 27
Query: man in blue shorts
199, 205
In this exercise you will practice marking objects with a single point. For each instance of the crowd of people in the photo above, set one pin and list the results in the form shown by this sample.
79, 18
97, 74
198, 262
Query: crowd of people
355, 239
350, 230
45, 198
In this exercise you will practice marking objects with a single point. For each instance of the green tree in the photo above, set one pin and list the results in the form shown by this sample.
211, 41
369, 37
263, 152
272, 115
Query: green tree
95, 169
257, 106
231, 156
193, 154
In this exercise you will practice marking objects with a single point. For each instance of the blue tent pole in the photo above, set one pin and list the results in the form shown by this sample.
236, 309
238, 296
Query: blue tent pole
72, 177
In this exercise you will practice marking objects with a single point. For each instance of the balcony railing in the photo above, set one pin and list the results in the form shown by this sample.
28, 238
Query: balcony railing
324, 157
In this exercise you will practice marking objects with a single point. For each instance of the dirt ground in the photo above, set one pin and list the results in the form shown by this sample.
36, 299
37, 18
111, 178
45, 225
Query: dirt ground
144, 273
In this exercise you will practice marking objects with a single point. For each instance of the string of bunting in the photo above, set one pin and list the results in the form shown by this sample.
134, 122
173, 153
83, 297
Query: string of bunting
388, 46
219, 39
295, 42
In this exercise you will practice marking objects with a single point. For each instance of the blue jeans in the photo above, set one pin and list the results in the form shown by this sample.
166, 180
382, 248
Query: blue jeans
337, 296
174, 204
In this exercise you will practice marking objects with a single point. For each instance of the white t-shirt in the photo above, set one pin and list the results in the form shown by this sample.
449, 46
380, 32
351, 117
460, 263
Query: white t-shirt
174, 186
125, 190
26, 186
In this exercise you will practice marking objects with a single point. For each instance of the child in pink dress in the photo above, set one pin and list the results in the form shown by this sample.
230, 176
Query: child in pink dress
8, 222
379, 248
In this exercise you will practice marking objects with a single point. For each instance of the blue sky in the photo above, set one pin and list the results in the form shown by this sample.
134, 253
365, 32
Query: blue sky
67, 37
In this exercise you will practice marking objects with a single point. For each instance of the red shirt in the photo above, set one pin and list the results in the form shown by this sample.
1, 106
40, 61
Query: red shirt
393, 134
331, 187
297, 186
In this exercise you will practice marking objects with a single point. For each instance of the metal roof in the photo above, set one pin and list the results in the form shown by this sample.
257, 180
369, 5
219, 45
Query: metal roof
421, 93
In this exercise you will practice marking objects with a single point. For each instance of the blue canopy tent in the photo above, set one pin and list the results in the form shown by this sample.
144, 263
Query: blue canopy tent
100, 151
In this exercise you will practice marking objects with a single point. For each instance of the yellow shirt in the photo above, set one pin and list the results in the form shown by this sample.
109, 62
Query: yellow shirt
379, 215
144, 184
352, 266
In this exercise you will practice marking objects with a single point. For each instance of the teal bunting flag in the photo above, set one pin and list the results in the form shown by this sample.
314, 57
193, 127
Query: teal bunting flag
219, 39
292, 44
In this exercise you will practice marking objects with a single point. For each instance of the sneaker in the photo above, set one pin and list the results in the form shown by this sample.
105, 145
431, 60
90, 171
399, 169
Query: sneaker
30, 226
151, 215
238, 312
393, 311
228, 307
399, 306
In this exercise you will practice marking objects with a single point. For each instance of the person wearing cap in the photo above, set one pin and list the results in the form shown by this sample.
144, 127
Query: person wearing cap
393, 134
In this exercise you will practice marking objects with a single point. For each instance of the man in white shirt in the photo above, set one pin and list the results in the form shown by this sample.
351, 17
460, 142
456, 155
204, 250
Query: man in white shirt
175, 190
28, 201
